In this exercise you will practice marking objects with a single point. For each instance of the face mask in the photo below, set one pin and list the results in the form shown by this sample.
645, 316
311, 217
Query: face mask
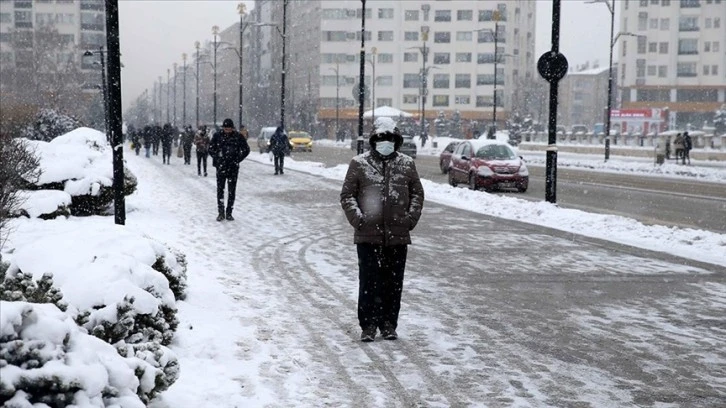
384, 148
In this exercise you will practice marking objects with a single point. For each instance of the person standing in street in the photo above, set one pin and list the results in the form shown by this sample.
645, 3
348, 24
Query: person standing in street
228, 148
279, 145
201, 140
167, 136
187, 140
382, 198
678, 146
687, 146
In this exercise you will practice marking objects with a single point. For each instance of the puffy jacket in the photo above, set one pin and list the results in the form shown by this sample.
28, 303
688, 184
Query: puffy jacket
382, 198
202, 142
227, 151
279, 143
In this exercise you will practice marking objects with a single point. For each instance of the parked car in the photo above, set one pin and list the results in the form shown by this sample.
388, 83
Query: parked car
408, 147
263, 140
579, 128
488, 164
300, 141
445, 156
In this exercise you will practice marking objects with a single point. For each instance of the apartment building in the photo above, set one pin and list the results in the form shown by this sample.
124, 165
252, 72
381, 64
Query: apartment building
678, 60
583, 96
459, 37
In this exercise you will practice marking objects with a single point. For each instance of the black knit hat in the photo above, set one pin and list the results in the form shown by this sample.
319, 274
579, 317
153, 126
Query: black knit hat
228, 123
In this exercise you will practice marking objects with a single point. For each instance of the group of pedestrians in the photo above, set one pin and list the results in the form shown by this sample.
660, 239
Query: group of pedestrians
682, 145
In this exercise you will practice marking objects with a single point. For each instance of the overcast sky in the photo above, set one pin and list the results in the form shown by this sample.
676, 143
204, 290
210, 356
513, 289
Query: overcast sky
154, 34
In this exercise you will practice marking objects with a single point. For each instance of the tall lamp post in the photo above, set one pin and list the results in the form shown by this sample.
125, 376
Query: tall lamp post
176, 67
337, 99
361, 81
374, 52
115, 115
424, 83
104, 88
184, 92
284, 41
160, 97
215, 32
197, 45
168, 98
242, 10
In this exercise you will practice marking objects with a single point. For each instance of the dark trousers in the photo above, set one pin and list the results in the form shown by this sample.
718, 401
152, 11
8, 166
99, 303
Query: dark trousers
686, 155
201, 159
231, 181
187, 154
165, 154
279, 161
380, 276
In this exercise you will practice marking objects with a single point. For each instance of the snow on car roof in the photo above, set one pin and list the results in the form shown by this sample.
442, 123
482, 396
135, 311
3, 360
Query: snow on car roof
479, 143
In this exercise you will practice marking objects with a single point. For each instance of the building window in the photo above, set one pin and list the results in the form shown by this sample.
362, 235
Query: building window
464, 15
484, 101
410, 15
485, 58
462, 100
706, 46
384, 80
686, 69
410, 36
663, 48
463, 57
665, 3
368, 35
442, 15
441, 100
410, 99
485, 36
697, 95
462, 81
385, 58
385, 36
359, 13
665, 24
441, 81
653, 47
688, 23
707, 23
442, 37
23, 19
6, 18
442, 58
715, 46
334, 36
411, 80
643, 3
337, 14
642, 41
410, 57
5, 37
714, 69
384, 102
463, 36
642, 21
385, 13
690, 3
717, 22
640, 68
706, 70
651, 70
653, 23
662, 71
688, 46
65, 18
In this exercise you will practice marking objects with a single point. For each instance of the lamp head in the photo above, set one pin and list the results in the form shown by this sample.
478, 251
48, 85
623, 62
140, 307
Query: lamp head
215, 30
197, 45
184, 56
242, 9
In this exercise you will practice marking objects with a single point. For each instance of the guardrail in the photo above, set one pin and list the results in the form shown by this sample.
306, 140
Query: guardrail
648, 140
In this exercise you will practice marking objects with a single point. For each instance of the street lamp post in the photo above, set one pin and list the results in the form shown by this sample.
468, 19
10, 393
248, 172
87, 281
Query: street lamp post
337, 100
374, 52
115, 115
168, 88
284, 41
104, 88
174, 105
184, 92
492, 134
160, 98
242, 9
424, 83
215, 32
197, 45
361, 81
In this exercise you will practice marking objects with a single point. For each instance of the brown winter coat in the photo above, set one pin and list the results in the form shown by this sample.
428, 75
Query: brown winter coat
382, 199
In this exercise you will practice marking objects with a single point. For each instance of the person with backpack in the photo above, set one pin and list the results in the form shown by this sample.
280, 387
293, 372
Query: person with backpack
201, 140
279, 145
228, 148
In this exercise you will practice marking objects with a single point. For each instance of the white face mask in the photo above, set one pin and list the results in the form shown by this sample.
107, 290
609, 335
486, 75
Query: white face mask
384, 148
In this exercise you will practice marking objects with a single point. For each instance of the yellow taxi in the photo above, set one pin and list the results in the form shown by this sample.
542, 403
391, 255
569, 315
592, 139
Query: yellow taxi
300, 141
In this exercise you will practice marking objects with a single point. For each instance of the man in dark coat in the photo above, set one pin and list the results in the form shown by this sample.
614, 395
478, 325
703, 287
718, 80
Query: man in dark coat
187, 139
687, 146
279, 145
382, 198
228, 148
167, 138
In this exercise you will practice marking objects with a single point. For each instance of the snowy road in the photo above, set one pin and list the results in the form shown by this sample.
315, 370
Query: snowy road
495, 313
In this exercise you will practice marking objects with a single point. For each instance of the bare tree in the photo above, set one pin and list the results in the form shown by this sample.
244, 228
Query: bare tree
19, 168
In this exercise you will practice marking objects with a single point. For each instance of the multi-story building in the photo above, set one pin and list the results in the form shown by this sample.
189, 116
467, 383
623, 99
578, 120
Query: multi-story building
460, 40
41, 48
583, 96
678, 60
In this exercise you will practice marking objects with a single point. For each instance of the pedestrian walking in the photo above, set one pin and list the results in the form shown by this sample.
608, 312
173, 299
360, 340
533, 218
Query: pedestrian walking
146, 140
687, 146
156, 135
678, 146
167, 136
382, 198
279, 146
201, 141
187, 140
228, 148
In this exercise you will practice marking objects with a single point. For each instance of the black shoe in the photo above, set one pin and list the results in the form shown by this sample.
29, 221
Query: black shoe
282, 172
277, 172
205, 174
230, 217
388, 332
220, 217
368, 334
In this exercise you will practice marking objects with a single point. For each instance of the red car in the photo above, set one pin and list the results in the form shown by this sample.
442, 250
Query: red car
445, 156
488, 164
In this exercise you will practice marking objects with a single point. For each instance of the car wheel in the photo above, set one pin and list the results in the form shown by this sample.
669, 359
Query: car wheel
472, 182
522, 189
443, 168
452, 182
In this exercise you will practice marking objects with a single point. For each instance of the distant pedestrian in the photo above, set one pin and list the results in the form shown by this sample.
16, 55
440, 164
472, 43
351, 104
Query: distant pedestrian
156, 134
187, 140
167, 136
201, 140
687, 146
279, 146
382, 197
228, 148
146, 140
678, 146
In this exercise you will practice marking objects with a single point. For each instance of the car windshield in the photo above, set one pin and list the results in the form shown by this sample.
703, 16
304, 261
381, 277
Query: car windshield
298, 134
495, 152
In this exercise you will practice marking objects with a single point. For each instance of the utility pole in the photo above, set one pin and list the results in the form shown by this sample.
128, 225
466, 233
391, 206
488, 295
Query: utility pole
492, 133
284, 41
215, 31
175, 100
197, 45
242, 9
424, 83
184, 92
115, 115
168, 88
361, 81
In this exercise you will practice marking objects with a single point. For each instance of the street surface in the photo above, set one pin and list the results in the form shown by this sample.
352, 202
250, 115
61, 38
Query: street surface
650, 200
495, 313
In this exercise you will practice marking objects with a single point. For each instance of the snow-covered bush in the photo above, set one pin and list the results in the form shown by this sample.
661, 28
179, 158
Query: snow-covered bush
164, 362
19, 167
22, 287
719, 121
80, 164
46, 359
49, 124
175, 270
43, 204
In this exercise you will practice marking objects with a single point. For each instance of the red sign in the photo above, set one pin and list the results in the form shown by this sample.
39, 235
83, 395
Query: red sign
639, 120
